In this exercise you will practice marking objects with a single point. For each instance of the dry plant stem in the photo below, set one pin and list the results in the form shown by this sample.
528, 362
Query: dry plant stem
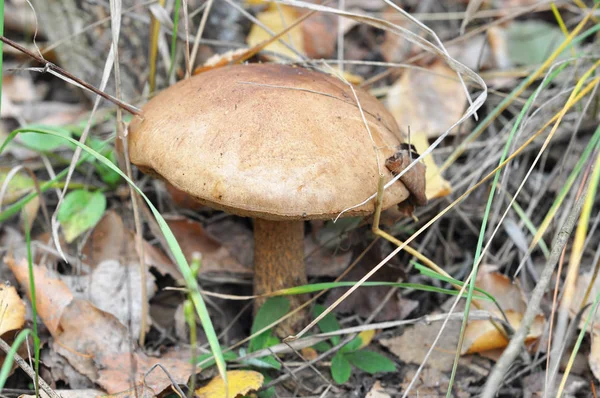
570, 284
515, 345
377, 231
279, 261
27, 369
61, 71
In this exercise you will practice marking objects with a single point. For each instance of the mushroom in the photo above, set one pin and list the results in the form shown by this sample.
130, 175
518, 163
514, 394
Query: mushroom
281, 144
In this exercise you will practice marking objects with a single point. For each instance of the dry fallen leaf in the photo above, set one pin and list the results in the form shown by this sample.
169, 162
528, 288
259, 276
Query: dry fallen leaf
193, 238
482, 335
436, 186
429, 101
12, 309
377, 391
412, 346
115, 288
95, 342
88, 393
277, 18
240, 382
112, 241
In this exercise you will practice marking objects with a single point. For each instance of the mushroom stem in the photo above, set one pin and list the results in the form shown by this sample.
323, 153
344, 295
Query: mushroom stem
279, 260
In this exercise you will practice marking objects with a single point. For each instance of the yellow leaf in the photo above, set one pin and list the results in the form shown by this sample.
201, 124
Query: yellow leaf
365, 337
436, 186
251, 3
240, 383
278, 21
12, 309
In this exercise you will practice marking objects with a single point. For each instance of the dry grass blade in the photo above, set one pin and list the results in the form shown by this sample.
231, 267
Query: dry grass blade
470, 13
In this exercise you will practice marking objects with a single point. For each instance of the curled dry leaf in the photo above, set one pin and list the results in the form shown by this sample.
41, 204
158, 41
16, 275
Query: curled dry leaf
94, 342
240, 382
419, 95
481, 336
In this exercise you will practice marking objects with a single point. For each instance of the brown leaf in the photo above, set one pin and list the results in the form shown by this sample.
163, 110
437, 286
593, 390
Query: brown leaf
412, 346
320, 35
52, 295
192, 238
429, 101
115, 288
112, 241
94, 342
118, 366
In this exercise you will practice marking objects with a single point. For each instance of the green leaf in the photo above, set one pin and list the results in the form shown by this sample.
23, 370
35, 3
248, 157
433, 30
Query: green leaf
269, 392
340, 368
19, 185
531, 42
44, 143
328, 323
80, 211
322, 346
273, 309
370, 362
227, 356
352, 345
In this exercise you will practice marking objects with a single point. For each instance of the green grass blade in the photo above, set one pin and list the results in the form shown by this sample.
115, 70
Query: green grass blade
36, 340
174, 38
488, 208
8, 361
315, 287
184, 267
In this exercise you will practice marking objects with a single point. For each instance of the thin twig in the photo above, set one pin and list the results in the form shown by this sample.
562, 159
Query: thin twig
27, 369
49, 66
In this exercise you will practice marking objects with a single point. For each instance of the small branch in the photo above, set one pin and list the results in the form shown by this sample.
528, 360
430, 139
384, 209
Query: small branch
30, 372
57, 69
516, 343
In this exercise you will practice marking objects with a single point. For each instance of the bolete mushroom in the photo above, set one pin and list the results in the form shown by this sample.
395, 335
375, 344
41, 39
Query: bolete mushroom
281, 144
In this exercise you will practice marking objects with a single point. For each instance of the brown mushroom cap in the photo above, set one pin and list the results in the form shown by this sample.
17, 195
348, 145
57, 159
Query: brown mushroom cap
269, 141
